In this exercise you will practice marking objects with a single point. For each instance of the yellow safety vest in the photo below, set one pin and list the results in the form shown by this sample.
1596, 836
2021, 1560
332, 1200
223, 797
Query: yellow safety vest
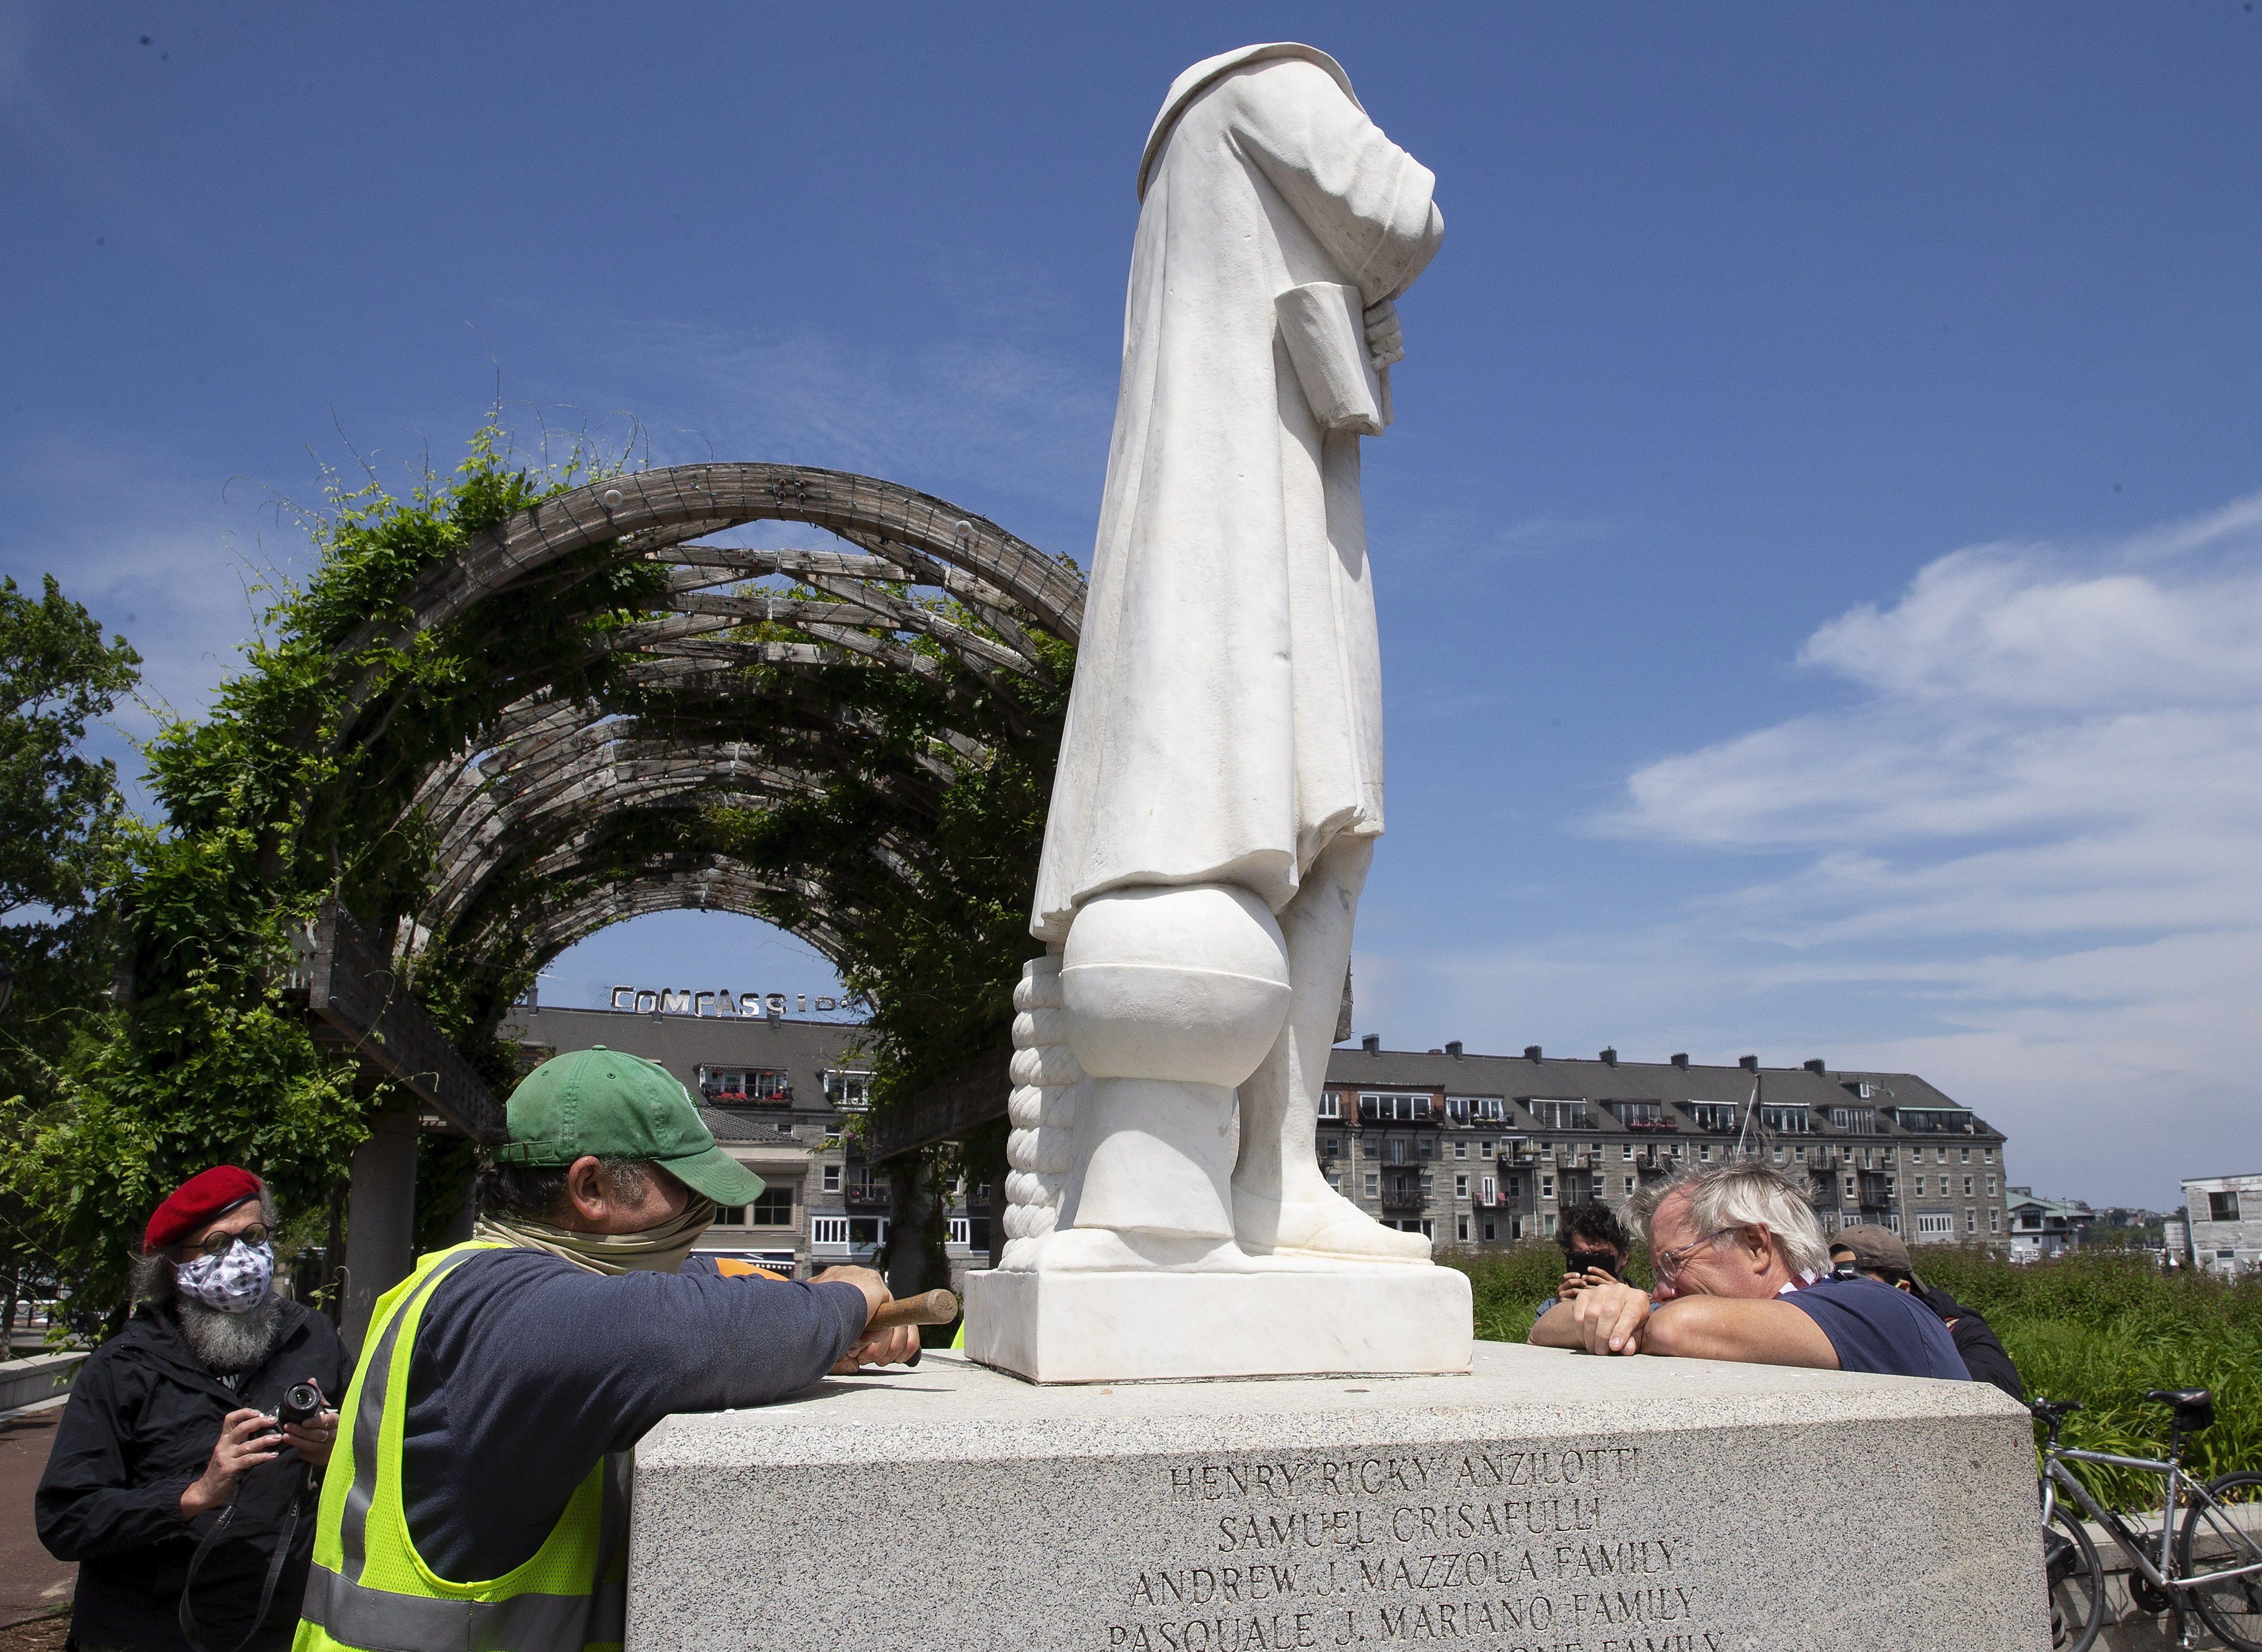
369, 1589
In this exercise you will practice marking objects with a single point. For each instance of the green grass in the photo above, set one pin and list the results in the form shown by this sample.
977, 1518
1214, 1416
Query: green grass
2100, 1327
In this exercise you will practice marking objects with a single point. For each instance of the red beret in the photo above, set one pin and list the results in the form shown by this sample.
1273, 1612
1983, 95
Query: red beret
196, 1201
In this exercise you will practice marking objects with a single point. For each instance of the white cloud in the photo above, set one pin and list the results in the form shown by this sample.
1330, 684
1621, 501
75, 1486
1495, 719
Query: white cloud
2023, 857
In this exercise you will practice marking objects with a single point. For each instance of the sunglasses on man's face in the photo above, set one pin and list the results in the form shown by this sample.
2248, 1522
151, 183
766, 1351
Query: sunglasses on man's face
220, 1243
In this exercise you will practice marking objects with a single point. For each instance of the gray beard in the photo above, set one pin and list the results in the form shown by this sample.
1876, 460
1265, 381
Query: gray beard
230, 1344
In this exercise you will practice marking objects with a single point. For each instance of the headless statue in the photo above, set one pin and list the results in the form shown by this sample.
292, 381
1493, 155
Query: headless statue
1220, 787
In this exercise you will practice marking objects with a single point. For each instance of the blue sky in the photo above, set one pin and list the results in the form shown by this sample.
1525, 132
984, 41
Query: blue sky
1820, 551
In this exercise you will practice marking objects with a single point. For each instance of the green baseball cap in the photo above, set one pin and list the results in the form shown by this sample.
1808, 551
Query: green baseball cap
599, 1100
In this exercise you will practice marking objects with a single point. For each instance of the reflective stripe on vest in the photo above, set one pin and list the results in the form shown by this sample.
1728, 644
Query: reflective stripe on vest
343, 1610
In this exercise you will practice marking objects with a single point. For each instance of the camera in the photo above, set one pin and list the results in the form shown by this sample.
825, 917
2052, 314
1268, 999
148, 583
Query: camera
301, 1402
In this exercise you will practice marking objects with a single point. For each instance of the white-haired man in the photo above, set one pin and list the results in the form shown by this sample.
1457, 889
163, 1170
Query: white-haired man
1743, 1273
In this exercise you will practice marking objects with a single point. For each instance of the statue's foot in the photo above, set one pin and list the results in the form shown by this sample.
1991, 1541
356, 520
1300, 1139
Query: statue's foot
1105, 1250
1319, 1224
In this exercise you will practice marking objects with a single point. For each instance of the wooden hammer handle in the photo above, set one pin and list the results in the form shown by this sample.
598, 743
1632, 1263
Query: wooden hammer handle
928, 1307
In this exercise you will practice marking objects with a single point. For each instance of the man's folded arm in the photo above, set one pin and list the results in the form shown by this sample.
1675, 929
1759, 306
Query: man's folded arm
1770, 1332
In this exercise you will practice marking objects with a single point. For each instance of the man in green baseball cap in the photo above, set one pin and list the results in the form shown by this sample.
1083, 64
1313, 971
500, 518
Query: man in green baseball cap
524, 1365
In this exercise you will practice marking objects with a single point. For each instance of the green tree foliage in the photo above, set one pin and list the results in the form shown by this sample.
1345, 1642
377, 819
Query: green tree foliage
59, 815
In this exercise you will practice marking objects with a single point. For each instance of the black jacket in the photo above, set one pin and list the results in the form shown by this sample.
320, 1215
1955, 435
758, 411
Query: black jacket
1985, 1357
143, 1417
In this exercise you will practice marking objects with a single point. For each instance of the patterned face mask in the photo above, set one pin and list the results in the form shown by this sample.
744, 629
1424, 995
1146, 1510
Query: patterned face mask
234, 1281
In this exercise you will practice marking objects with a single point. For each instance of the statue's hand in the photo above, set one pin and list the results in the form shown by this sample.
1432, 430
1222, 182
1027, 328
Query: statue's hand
1385, 343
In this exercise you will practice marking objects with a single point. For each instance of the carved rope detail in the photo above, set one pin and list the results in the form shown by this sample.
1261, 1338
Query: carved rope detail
1043, 1107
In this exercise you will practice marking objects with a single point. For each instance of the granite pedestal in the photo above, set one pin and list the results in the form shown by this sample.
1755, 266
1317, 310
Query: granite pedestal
1547, 1500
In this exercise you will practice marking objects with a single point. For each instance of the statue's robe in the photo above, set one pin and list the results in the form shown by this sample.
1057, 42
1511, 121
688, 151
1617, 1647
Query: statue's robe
1226, 721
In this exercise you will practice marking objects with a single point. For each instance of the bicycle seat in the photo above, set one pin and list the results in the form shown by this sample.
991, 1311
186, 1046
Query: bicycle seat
2194, 1407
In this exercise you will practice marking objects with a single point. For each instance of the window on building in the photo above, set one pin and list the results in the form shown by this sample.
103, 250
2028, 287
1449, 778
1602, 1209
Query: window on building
1893, 1220
1460, 1186
1491, 1230
1629, 1184
1703, 1152
1798, 1153
1547, 1226
1639, 1114
1488, 1189
1335, 1179
1460, 1150
1330, 1105
1331, 1146
1484, 1149
832, 1138
1559, 1116
958, 1230
2222, 1207
848, 1092
1546, 1186
1626, 1149
1970, 1220
1374, 1184
832, 1179
1889, 1192
1942, 1151
1461, 1226
1967, 1186
1786, 1121
731, 1216
1515, 1187
1851, 1187
774, 1208
1394, 1152
1994, 1221
1990, 1187
1856, 1121
1987, 1154
828, 1230
1778, 1155
1385, 1106
1711, 1115
1473, 1110
864, 1230
1967, 1154
1935, 1224
1427, 1147
1919, 1186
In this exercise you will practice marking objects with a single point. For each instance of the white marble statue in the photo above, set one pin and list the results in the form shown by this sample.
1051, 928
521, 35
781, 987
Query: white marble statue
1219, 786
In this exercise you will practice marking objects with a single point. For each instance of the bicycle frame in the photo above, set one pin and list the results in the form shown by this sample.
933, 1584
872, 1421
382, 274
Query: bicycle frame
2176, 1480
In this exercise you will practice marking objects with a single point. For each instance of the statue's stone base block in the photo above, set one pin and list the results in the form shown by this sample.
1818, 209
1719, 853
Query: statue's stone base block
1549, 1500
1070, 1327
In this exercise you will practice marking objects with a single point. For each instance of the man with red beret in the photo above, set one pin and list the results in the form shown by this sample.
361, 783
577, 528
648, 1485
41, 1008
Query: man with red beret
170, 1431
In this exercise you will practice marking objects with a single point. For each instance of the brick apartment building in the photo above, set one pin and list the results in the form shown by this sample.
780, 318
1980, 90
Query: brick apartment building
1486, 1150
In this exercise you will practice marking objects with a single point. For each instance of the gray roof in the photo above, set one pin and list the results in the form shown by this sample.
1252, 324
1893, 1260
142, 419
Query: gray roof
1555, 1078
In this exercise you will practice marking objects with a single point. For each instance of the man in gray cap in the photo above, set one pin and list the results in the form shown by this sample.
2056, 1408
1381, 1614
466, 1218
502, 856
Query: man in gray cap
1879, 1253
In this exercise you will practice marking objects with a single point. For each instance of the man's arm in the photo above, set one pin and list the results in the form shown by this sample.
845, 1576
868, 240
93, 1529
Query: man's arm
86, 1507
1768, 1333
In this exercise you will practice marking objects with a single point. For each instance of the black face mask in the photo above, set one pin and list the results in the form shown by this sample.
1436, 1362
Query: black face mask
1600, 1261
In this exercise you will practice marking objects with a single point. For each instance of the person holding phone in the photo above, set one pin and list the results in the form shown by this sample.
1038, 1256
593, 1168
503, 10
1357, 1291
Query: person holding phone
1595, 1249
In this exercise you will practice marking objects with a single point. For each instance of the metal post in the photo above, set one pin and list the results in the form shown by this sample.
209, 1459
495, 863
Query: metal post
380, 1221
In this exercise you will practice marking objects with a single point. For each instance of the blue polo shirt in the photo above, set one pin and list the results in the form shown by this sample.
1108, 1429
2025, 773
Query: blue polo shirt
1876, 1328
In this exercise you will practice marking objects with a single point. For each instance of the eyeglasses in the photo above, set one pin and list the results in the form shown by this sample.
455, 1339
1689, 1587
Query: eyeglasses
1667, 1265
220, 1243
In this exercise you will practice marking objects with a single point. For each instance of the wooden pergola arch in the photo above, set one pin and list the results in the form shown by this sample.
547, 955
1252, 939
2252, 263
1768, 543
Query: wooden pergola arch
725, 694
689, 728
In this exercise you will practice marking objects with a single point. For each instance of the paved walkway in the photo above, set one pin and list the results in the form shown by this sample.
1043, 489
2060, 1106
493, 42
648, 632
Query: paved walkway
32, 1580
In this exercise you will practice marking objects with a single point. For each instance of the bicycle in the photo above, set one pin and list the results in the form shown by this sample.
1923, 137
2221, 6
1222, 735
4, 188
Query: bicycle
2226, 1596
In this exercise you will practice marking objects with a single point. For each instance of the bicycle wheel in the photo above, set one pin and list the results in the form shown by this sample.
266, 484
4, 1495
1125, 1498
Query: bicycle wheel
2077, 1581
2227, 1532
